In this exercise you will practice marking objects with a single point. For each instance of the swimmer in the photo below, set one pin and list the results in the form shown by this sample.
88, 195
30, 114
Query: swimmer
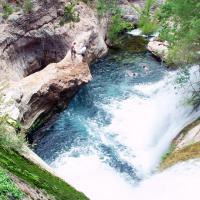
145, 67
131, 74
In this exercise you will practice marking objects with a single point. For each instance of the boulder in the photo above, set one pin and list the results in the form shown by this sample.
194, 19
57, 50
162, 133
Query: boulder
159, 49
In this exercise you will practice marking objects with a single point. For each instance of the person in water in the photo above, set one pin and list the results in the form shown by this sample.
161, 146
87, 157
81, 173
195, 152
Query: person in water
132, 74
145, 67
73, 51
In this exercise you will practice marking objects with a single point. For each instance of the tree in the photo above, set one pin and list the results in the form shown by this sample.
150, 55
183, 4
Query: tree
180, 26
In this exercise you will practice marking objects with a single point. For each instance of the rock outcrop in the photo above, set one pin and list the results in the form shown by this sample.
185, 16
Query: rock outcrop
189, 135
39, 93
35, 59
185, 146
159, 49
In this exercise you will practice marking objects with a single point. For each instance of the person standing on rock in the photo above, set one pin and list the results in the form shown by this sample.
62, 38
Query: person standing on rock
73, 51
83, 53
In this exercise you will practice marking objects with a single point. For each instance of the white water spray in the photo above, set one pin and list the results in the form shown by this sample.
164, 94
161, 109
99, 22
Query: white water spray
145, 124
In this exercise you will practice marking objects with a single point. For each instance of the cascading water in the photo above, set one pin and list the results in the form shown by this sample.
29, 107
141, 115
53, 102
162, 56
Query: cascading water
110, 139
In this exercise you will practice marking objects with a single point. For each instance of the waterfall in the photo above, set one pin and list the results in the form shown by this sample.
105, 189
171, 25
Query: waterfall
110, 140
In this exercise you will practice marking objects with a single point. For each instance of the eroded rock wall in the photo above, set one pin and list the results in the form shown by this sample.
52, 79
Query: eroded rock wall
35, 57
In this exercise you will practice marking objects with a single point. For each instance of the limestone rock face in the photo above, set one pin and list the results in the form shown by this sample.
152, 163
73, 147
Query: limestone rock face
159, 49
51, 88
29, 42
35, 57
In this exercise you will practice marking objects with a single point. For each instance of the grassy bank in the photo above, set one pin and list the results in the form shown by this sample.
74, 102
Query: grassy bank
8, 189
37, 177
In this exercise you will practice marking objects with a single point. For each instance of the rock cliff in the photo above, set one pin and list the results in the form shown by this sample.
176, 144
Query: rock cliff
35, 59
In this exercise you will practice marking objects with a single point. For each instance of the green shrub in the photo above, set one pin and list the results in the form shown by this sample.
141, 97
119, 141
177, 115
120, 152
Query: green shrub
8, 190
180, 26
117, 26
147, 22
7, 10
27, 6
107, 7
11, 135
148, 25
69, 14
102, 8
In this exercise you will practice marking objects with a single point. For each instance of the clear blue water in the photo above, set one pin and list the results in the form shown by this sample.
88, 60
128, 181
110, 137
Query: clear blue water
113, 80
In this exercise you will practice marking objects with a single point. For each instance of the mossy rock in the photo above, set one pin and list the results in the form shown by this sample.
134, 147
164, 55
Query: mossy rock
189, 152
8, 189
176, 154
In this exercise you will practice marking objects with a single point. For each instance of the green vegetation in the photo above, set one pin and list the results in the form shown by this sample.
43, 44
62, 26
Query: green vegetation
180, 26
106, 8
70, 14
8, 137
27, 6
36, 177
148, 22
117, 26
183, 78
10, 130
8, 190
7, 10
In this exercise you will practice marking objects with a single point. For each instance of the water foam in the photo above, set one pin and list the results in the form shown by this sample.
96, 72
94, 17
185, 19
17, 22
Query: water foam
144, 124
179, 182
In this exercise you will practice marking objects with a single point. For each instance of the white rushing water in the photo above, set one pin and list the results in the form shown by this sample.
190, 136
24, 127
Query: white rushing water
145, 124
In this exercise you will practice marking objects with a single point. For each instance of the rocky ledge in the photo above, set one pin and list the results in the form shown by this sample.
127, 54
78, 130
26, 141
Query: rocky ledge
35, 60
